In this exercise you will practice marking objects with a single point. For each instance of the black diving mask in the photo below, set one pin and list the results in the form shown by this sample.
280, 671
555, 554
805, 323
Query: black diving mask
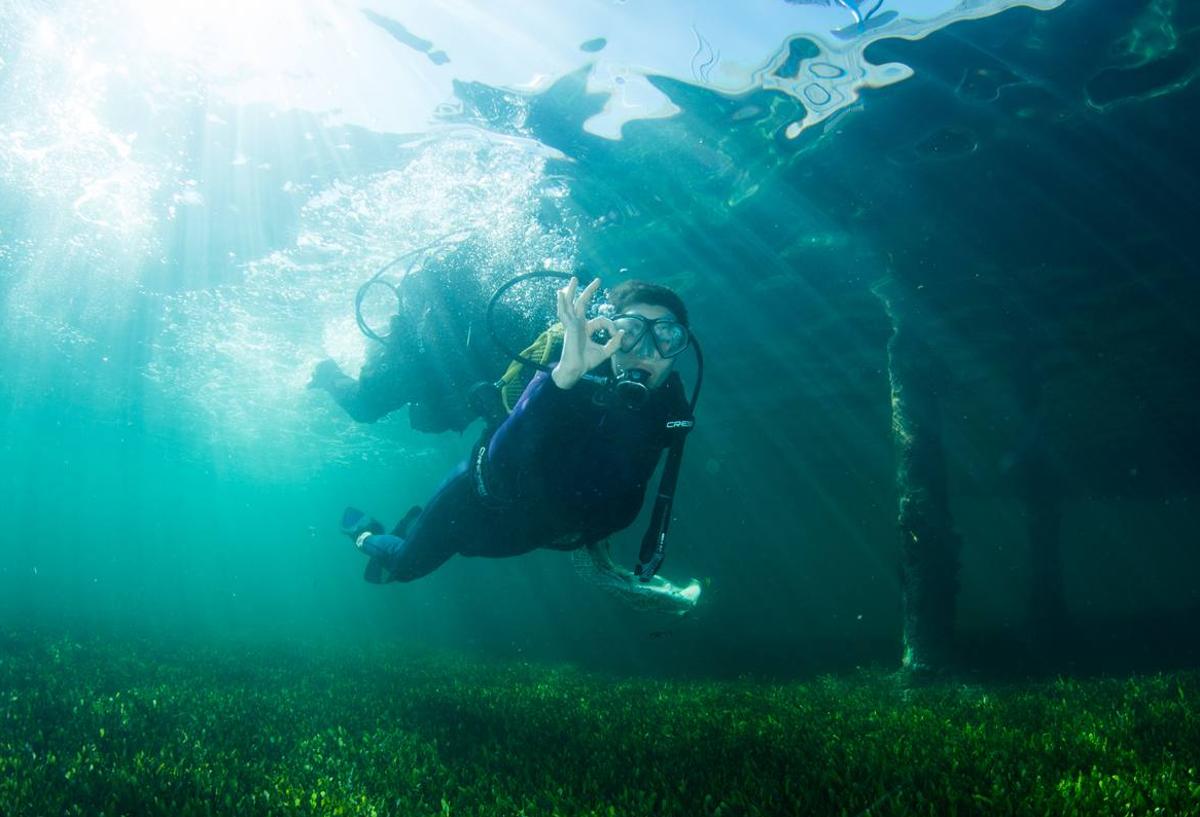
669, 337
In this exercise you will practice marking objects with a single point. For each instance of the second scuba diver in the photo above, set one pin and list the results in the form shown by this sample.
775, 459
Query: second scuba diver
434, 351
570, 464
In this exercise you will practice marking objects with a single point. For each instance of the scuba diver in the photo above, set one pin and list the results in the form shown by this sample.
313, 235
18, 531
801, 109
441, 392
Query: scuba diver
569, 464
433, 353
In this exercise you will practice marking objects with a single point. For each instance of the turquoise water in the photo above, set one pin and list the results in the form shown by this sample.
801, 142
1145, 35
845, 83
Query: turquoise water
191, 193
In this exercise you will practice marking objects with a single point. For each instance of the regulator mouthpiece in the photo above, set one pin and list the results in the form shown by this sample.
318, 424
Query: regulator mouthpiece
632, 388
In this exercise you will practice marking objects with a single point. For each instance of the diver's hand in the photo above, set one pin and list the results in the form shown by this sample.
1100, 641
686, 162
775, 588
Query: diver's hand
581, 354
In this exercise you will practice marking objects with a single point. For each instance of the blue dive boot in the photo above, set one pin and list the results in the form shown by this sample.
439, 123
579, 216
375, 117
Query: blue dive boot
357, 525
354, 525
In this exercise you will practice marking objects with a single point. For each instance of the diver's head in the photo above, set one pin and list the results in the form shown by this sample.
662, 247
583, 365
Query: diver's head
655, 324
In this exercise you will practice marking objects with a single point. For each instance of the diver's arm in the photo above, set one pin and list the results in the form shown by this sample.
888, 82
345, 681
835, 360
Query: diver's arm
656, 593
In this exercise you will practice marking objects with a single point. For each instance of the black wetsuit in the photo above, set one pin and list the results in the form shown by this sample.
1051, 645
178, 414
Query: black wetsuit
565, 469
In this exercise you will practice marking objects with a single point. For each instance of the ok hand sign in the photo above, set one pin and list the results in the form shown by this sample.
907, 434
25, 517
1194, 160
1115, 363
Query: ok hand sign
580, 353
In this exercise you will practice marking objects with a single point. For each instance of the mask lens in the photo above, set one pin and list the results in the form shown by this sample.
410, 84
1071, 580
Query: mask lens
670, 337
634, 327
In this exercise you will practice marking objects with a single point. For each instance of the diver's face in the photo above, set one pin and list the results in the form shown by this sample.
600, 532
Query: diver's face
645, 355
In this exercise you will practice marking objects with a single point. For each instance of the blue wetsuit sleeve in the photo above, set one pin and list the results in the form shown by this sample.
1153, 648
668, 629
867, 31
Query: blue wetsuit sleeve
545, 404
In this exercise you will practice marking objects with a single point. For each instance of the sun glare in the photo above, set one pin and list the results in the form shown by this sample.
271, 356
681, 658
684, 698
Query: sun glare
225, 39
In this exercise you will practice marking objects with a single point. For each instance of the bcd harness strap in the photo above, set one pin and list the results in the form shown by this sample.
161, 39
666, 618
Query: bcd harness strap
516, 377
654, 541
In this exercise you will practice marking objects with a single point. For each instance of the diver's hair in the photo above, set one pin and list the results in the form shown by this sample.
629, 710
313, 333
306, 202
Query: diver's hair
640, 292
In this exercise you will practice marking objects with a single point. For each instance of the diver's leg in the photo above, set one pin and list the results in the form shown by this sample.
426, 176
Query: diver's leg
329, 377
382, 385
345, 391
453, 517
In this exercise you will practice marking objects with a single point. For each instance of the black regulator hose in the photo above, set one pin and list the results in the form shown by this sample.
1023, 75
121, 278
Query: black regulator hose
377, 280
491, 312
